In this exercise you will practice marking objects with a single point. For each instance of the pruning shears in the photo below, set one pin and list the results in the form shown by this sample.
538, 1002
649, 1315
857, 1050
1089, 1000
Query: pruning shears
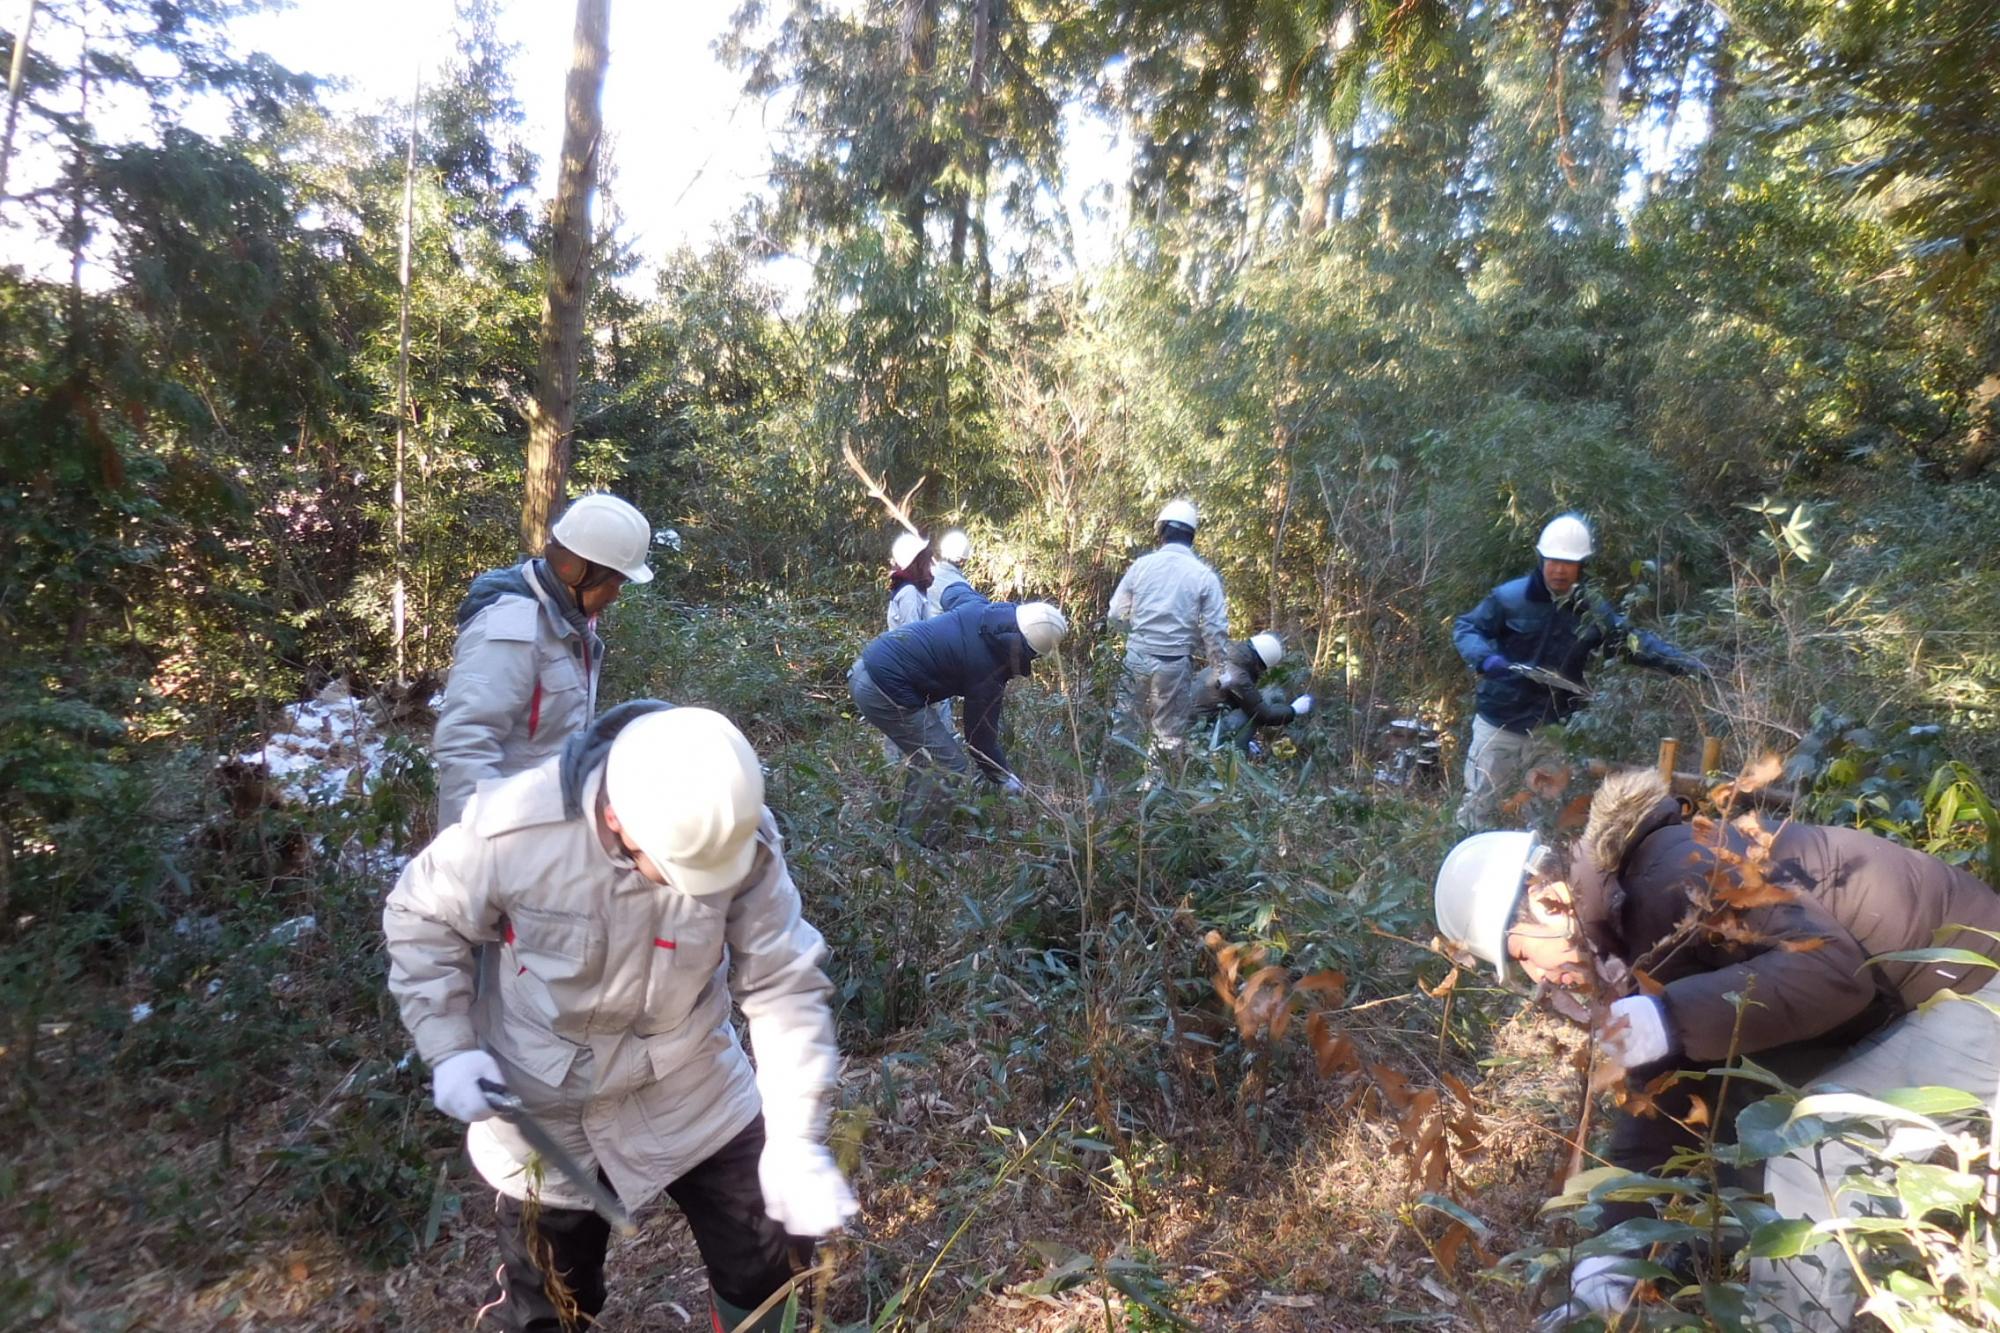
602, 1201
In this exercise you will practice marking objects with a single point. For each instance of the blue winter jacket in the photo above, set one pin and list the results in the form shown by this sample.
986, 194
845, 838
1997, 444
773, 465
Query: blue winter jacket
1523, 622
969, 652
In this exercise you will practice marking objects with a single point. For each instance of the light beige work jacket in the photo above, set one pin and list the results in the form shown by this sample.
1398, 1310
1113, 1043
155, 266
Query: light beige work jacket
604, 996
1170, 604
522, 682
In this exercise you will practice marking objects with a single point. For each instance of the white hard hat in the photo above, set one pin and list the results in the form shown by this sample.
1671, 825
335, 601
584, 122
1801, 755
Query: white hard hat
1042, 625
907, 548
1478, 887
607, 531
687, 788
1178, 511
955, 545
1269, 647
1567, 537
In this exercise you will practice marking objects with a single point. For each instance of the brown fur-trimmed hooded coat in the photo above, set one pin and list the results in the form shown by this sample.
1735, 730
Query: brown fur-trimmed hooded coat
1849, 896
1638, 871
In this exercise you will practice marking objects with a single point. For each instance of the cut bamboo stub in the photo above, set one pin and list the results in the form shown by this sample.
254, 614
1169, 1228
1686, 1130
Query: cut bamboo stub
1711, 754
1670, 750
1695, 786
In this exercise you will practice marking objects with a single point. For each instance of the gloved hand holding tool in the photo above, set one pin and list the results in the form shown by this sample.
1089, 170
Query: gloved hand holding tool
458, 1081
504, 1103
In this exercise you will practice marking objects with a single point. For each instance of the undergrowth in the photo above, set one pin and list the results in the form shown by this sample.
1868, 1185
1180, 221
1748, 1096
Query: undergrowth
1056, 1092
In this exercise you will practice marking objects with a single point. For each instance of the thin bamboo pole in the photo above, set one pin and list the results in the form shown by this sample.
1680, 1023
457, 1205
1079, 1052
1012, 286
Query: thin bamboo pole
403, 369
16, 72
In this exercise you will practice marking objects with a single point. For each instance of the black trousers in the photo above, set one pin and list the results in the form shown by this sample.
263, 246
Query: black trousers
748, 1256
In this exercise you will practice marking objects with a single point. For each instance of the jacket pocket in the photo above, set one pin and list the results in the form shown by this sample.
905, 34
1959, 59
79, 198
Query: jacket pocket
686, 958
561, 949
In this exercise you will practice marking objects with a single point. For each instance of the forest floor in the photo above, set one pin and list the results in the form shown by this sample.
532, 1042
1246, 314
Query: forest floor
1323, 1236
211, 1120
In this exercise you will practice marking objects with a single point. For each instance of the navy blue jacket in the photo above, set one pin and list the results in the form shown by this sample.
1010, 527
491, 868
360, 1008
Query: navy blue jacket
1523, 622
969, 652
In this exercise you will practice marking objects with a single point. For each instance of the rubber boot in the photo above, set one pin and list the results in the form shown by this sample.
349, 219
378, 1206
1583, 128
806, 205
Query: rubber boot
727, 1318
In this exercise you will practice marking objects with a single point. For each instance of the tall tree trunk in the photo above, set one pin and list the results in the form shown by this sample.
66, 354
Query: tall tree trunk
1983, 437
974, 123
919, 41
1620, 32
552, 415
1328, 159
1714, 159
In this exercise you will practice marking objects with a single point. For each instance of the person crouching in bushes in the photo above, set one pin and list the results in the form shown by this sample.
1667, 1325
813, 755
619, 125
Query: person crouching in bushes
1784, 918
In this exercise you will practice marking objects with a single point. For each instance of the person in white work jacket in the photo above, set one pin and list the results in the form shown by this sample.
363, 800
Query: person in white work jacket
524, 672
1168, 605
947, 567
578, 937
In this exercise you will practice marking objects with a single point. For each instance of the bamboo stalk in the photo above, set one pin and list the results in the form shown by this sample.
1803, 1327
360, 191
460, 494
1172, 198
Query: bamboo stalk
403, 370
1670, 751
15, 74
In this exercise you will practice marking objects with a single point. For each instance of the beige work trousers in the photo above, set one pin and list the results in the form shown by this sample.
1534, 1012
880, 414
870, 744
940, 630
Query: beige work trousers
1495, 763
1155, 699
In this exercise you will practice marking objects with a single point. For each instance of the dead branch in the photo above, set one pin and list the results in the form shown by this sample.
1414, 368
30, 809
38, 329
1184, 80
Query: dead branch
879, 489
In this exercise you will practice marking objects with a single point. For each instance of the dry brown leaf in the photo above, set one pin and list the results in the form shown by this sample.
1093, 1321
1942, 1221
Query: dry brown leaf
1332, 1050
1647, 985
1574, 815
1449, 1244
1748, 896
1443, 988
1262, 1006
1760, 773
1804, 946
1394, 1087
1548, 783
1329, 985
1697, 1115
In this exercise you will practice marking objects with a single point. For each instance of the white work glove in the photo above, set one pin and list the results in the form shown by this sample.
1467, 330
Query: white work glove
1641, 1038
1012, 785
1593, 1291
1302, 705
804, 1191
455, 1085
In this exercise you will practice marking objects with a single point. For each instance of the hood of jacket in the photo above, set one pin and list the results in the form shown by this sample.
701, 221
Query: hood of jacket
584, 753
1001, 630
530, 579
1245, 655
490, 587
1629, 808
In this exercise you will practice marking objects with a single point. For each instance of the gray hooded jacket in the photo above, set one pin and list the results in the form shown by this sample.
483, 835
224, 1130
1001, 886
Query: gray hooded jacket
523, 680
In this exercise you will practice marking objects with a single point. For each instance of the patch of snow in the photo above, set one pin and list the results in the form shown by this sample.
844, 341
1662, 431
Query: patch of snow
294, 930
141, 1012
322, 749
